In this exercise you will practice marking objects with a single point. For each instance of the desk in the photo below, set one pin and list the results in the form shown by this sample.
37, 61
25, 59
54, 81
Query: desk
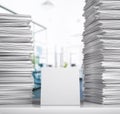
60, 110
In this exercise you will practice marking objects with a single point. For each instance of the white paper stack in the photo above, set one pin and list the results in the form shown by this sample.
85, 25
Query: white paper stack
15, 60
102, 51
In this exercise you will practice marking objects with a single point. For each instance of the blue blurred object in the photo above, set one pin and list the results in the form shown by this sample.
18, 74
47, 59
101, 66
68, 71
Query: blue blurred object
37, 79
37, 75
81, 84
41, 65
81, 89
36, 93
36, 96
37, 86
37, 82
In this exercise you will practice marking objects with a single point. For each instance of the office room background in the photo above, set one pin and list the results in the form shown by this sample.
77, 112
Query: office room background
63, 20
63, 38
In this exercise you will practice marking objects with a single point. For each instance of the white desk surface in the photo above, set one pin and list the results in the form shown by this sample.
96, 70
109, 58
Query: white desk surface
60, 110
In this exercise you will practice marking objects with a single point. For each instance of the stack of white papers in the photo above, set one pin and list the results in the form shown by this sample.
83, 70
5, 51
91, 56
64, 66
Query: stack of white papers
102, 51
15, 60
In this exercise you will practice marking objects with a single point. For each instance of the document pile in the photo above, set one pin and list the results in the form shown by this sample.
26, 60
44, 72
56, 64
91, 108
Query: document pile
15, 64
102, 51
